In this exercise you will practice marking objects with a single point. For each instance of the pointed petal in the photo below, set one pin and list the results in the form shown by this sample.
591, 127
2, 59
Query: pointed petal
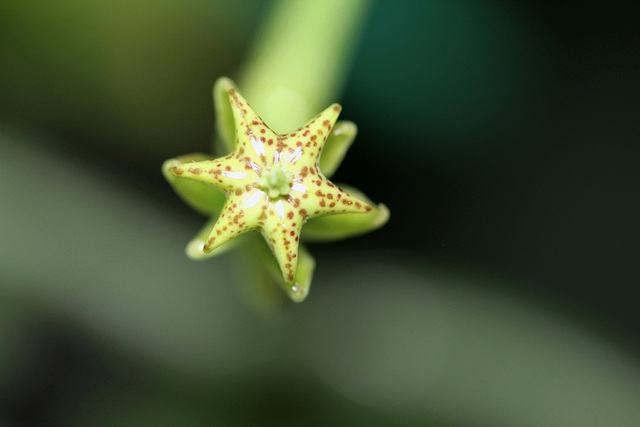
299, 289
226, 173
234, 220
338, 142
325, 198
340, 226
255, 141
225, 121
195, 248
266, 274
315, 134
283, 238
200, 196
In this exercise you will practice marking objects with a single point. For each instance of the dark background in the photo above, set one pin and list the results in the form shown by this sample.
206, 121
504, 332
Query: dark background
518, 121
503, 136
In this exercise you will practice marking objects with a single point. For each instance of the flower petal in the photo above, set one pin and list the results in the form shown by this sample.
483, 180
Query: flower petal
200, 196
195, 248
299, 289
263, 280
340, 226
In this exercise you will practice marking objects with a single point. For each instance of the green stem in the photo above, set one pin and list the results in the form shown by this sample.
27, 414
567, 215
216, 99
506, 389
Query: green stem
298, 65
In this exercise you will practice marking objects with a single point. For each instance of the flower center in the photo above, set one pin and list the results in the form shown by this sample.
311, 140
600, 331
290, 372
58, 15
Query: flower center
275, 182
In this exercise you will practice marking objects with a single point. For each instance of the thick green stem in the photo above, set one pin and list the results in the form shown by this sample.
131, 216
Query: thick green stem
299, 63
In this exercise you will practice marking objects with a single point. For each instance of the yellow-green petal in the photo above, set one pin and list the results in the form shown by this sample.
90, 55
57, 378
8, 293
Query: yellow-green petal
265, 287
341, 226
299, 289
194, 249
200, 196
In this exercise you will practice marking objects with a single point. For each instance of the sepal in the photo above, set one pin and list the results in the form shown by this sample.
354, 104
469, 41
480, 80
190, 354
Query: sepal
225, 121
336, 146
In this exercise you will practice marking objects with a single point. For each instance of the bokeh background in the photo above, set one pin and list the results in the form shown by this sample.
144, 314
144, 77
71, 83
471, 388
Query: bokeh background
503, 135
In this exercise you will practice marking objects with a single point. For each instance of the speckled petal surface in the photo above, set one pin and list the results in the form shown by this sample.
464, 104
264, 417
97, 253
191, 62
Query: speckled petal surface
200, 196
274, 184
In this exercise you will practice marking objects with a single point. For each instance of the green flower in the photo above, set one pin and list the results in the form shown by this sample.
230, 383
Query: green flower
275, 184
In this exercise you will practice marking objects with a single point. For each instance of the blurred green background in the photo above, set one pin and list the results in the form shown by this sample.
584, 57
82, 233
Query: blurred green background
504, 291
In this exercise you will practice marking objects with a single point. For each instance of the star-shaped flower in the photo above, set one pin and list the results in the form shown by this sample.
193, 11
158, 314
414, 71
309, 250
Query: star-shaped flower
274, 184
